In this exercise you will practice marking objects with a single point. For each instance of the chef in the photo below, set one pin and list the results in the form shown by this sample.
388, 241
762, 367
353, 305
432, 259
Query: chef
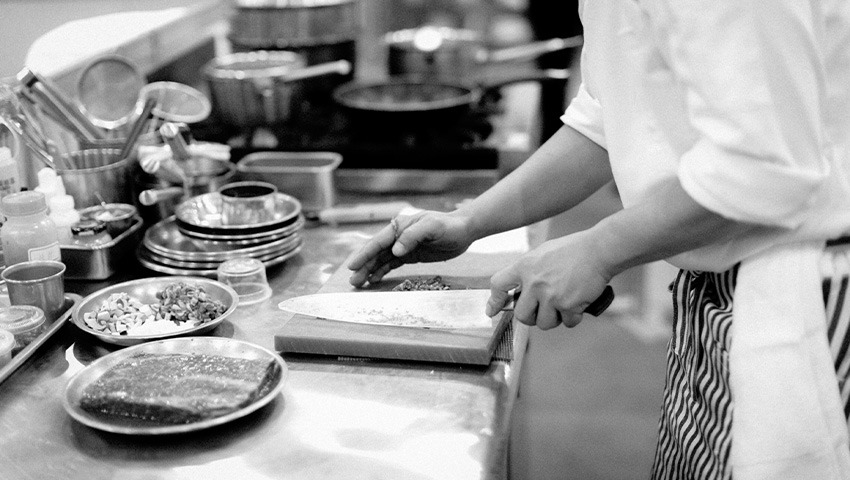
726, 126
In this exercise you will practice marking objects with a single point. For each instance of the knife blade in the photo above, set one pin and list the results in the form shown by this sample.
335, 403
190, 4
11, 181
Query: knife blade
427, 309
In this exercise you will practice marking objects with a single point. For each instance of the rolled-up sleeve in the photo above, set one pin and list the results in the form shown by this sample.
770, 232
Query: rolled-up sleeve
752, 82
584, 114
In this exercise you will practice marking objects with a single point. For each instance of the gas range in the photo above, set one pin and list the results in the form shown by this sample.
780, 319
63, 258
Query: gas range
472, 152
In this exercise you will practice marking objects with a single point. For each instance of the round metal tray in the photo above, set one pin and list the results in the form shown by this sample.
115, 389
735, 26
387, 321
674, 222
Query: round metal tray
165, 239
213, 264
203, 214
217, 346
145, 290
147, 262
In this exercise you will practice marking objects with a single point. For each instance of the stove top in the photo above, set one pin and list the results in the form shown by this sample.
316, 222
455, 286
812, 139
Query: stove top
459, 145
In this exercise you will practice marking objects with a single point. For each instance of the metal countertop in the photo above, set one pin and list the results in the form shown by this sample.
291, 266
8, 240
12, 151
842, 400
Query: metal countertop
334, 419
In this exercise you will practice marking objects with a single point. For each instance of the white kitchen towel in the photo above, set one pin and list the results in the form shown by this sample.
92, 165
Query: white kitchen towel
788, 421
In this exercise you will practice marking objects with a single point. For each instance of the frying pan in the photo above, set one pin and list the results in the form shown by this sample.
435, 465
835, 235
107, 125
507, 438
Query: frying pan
402, 102
446, 52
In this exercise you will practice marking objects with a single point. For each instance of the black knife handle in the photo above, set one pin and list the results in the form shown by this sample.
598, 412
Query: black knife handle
601, 303
596, 307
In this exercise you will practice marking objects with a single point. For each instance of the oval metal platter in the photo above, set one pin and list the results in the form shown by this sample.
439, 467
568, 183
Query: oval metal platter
217, 346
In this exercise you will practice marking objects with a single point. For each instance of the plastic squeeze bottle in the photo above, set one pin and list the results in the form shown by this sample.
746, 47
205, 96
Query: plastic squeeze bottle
10, 181
28, 233
64, 215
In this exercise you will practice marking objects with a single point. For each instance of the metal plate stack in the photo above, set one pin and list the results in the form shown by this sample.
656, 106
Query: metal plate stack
195, 241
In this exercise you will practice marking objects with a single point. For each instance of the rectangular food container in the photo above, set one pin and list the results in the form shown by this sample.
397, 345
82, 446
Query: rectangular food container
307, 176
99, 262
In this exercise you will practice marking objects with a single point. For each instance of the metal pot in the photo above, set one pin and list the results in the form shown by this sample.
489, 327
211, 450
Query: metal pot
285, 24
402, 103
251, 89
445, 52
318, 90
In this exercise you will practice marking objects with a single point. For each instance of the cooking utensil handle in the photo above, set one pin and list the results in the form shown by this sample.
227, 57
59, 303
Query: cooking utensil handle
342, 67
152, 197
559, 75
601, 303
595, 308
138, 126
171, 133
531, 50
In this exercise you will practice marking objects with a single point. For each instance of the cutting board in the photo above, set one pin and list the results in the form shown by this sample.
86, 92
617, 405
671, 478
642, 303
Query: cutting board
308, 335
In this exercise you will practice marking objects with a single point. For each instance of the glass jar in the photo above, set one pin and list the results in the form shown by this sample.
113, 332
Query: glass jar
89, 232
28, 233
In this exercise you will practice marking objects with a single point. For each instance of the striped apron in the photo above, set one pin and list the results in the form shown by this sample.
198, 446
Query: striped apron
694, 439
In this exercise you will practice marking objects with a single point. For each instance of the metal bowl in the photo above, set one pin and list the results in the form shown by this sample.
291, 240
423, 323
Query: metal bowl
118, 217
145, 290
203, 214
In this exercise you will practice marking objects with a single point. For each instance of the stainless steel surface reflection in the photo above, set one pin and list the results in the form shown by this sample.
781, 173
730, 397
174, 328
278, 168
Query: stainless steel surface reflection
335, 419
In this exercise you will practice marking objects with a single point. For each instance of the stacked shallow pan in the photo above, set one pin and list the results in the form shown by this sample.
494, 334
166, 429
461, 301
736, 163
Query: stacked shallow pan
195, 241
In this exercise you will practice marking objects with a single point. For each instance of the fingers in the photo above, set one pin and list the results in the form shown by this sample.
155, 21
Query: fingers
379, 272
411, 232
532, 306
502, 284
383, 240
379, 255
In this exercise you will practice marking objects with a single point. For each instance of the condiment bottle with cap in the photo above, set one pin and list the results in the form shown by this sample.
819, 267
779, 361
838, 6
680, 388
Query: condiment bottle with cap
28, 233
64, 215
50, 184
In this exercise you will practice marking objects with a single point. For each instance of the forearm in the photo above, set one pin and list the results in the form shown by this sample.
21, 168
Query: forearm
565, 170
668, 223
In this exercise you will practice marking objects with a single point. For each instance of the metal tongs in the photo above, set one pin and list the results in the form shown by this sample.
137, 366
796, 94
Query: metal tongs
22, 122
41, 92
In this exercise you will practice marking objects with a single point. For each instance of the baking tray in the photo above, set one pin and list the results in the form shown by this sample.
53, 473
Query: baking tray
71, 300
99, 262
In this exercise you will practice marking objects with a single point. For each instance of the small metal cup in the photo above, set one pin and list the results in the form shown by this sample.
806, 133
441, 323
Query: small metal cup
247, 203
40, 283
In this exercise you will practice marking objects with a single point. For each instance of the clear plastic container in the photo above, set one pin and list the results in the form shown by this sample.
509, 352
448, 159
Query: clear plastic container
247, 276
88, 233
28, 233
25, 322
7, 345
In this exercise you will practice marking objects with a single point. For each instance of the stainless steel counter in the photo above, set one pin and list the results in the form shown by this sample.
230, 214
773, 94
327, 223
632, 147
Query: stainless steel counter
334, 419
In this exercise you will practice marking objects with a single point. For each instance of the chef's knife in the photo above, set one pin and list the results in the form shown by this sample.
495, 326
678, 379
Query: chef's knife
429, 309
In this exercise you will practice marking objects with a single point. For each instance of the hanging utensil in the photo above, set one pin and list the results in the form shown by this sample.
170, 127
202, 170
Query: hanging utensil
176, 102
171, 134
108, 90
62, 109
137, 127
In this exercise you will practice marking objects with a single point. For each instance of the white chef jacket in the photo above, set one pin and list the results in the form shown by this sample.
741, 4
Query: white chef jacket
747, 102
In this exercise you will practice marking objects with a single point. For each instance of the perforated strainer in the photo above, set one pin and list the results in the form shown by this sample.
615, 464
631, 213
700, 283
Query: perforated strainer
177, 102
108, 90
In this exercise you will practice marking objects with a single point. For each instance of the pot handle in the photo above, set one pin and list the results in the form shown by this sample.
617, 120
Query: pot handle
560, 75
154, 196
341, 67
264, 87
529, 51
